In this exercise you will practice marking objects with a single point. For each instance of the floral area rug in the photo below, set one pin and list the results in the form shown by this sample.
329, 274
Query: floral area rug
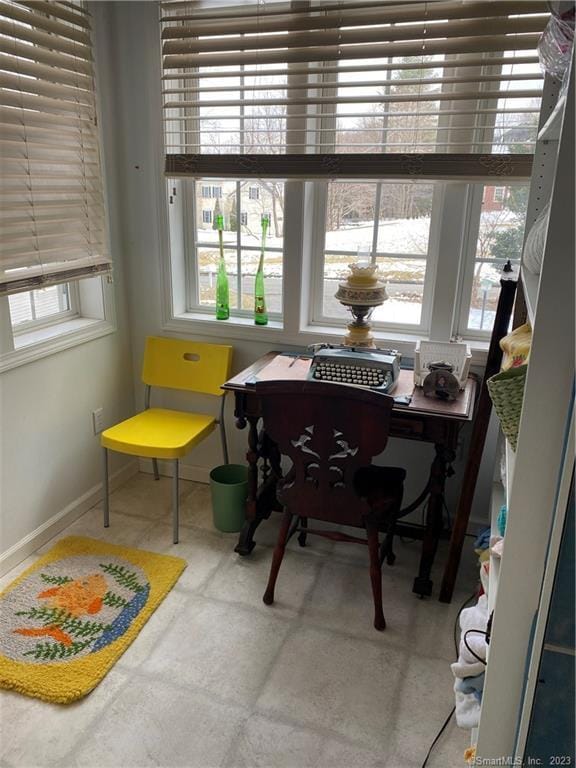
66, 620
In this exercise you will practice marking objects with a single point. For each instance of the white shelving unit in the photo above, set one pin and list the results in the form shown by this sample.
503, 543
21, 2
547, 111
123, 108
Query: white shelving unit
500, 496
534, 471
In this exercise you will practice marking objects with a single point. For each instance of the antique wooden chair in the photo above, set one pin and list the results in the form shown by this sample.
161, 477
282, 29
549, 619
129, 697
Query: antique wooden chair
330, 433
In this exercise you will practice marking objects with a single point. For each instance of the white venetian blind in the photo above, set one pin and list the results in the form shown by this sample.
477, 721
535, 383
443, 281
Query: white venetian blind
310, 77
52, 212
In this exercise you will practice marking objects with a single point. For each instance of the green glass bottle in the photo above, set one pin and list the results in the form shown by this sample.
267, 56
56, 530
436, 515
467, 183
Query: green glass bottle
222, 293
260, 311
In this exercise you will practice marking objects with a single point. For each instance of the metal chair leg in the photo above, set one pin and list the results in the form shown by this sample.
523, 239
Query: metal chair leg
175, 502
106, 501
155, 468
223, 430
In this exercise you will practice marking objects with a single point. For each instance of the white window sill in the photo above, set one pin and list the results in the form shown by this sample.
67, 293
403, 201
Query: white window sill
244, 328
42, 342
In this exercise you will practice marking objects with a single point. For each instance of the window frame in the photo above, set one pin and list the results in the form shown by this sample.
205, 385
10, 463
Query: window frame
469, 259
95, 317
192, 243
317, 316
455, 221
447, 286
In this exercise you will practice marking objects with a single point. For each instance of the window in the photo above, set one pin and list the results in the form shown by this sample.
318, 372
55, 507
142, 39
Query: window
498, 194
409, 107
49, 304
242, 215
54, 245
386, 223
206, 191
217, 192
496, 236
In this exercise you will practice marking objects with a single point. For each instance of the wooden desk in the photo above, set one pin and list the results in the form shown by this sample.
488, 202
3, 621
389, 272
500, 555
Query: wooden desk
425, 419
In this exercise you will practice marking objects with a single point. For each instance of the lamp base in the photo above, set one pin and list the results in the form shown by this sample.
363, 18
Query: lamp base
359, 336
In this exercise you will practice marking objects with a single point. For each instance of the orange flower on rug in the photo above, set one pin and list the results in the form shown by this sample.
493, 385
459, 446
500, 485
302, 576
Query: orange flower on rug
66, 620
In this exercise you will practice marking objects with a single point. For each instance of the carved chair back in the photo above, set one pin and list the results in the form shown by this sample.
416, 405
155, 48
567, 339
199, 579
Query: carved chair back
328, 431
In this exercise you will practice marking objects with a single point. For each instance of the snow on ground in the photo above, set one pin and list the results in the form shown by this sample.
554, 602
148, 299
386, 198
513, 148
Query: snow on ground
394, 236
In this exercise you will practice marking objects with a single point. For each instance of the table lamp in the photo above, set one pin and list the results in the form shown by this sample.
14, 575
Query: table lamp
361, 293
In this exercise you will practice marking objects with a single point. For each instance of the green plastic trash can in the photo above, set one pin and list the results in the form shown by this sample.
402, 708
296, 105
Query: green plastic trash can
229, 488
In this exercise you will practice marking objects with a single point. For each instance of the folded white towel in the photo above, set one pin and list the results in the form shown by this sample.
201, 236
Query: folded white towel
463, 668
475, 617
467, 710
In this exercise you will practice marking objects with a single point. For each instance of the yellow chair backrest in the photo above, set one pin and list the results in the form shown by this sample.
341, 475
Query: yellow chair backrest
190, 365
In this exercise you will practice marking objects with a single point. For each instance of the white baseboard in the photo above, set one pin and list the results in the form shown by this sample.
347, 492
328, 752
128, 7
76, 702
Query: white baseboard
185, 471
38, 537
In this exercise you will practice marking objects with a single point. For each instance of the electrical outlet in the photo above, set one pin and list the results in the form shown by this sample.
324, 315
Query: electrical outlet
98, 420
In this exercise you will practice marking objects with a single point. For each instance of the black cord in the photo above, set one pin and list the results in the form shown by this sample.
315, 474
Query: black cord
441, 731
477, 632
464, 604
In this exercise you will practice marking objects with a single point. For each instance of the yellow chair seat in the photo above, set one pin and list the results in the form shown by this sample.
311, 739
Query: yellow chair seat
158, 433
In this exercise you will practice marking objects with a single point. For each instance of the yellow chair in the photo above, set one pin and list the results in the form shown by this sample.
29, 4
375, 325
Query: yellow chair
159, 433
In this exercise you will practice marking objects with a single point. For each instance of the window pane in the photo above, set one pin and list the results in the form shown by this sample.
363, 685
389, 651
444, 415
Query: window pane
502, 222
221, 200
264, 198
272, 279
39, 305
404, 280
208, 260
485, 292
404, 223
500, 238
20, 308
377, 125
403, 228
241, 204
350, 213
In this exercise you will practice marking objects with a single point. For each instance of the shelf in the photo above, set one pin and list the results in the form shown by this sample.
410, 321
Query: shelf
510, 463
530, 284
493, 582
550, 131
498, 498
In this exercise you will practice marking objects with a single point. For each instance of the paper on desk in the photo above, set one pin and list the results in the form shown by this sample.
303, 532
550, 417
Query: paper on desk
284, 367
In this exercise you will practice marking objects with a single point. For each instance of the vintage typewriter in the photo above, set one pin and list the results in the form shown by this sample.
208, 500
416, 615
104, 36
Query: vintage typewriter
374, 368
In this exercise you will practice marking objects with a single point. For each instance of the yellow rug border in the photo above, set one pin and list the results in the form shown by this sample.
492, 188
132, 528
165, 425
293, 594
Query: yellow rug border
69, 681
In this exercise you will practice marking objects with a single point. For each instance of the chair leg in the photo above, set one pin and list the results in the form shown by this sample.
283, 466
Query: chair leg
375, 575
302, 535
277, 557
175, 502
223, 431
105, 491
388, 550
155, 468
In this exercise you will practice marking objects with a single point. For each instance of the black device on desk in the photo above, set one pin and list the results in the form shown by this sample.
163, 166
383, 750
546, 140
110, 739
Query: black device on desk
374, 368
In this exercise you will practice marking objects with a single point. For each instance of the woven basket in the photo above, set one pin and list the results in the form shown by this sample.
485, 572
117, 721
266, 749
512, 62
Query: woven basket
506, 391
